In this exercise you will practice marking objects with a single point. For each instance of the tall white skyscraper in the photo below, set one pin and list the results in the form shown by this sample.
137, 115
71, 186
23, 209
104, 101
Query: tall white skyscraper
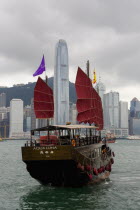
16, 117
100, 88
61, 84
123, 114
111, 110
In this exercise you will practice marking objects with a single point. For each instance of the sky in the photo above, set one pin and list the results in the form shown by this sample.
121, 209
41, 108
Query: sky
105, 32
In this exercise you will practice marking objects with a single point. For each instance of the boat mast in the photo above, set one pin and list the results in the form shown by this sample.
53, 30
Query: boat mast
88, 68
46, 80
88, 76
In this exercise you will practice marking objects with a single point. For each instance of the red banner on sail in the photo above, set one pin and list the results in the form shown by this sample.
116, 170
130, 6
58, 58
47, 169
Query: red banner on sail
43, 100
89, 104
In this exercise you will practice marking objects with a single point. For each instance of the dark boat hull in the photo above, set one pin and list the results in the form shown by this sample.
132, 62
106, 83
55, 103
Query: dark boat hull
58, 165
57, 173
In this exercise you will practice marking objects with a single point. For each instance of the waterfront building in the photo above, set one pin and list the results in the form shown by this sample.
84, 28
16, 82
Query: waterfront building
135, 108
16, 118
73, 114
134, 126
111, 110
3, 113
4, 128
33, 117
123, 114
61, 84
117, 132
4, 122
28, 124
27, 118
134, 117
120, 132
2, 100
101, 89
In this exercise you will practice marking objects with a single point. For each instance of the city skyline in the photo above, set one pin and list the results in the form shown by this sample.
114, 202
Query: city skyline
116, 116
105, 33
97, 83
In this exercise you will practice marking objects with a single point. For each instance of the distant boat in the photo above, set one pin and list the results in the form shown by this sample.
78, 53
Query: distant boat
110, 138
133, 137
64, 156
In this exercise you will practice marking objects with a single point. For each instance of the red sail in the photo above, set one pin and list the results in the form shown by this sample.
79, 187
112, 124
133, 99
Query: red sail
43, 100
89, 104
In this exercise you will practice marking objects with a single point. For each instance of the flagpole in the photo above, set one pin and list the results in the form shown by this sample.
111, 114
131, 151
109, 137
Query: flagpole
46, 78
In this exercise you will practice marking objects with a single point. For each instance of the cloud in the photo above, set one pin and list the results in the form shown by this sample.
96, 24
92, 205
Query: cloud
104, 32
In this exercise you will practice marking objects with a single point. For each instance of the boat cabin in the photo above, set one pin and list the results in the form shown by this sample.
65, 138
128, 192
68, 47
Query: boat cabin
75, 135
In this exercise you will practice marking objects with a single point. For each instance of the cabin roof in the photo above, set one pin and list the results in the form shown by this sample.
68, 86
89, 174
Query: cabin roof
63, 127
76, 126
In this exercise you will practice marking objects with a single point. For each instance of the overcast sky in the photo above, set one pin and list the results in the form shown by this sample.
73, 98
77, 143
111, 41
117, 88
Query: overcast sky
107, 32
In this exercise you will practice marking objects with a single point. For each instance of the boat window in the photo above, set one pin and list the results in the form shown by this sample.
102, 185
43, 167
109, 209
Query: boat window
95, 152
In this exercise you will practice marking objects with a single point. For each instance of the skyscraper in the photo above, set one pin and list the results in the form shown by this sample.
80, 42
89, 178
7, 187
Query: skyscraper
27, 118
111, 110
33, 117
134, 107
16, 117
61, 84
2, 100
100, 88
134, 118
123, 114
73, 114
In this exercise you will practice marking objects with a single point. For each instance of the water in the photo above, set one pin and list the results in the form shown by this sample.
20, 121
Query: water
18, 191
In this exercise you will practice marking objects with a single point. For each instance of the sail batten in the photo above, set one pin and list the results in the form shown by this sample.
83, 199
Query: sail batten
43, 100
89, 105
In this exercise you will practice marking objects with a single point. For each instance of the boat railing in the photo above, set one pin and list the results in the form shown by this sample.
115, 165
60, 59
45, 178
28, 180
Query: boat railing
82, 141
65, 140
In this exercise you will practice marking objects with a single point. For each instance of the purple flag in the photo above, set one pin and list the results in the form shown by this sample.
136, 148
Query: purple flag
41, 68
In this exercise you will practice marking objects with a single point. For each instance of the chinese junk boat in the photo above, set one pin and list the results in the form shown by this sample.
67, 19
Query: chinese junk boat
69, 155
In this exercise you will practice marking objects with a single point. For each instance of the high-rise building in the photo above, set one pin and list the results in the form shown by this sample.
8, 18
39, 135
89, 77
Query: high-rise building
73, 114
2, 100
111, 110
134, 107
100, 88
134, 117
3, 113
123, 114
134, 126
33, 117
16, 117
4, 122
61, 84
27, 118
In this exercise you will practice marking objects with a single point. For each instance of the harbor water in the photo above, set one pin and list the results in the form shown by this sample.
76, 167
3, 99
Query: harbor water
18, 191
